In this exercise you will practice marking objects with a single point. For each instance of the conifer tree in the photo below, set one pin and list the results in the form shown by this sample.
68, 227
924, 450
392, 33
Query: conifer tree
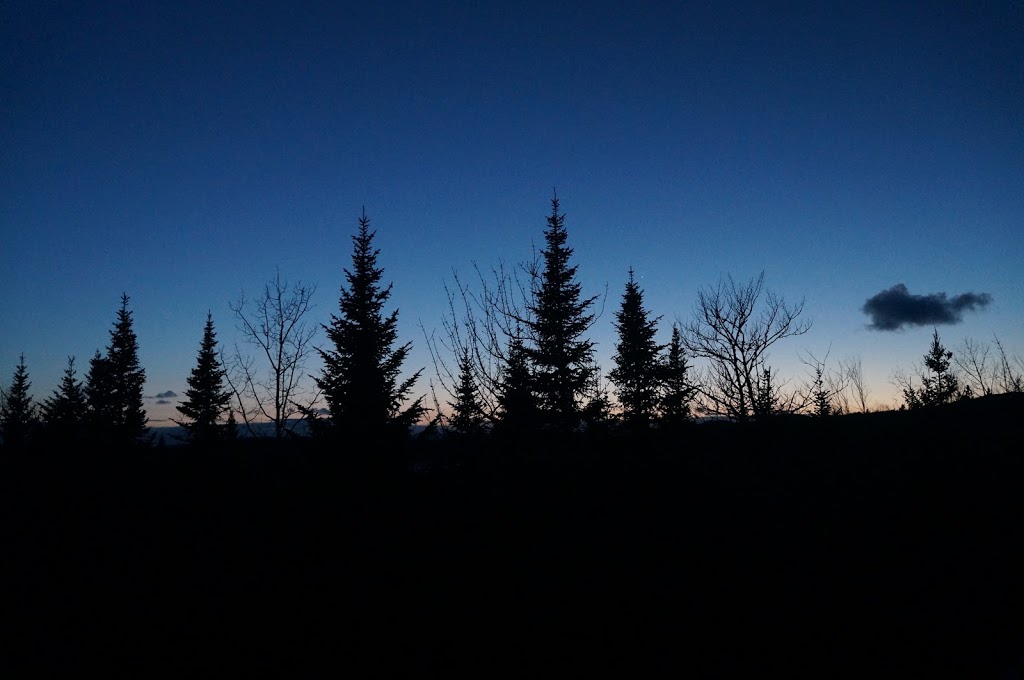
468, 420
114, 386
231, 426
66, 410
19, 414
207, 396
99, 398
517, 404
940, 384
562, 358
360, 378
676, 390
821, 396
597, 413
637, 359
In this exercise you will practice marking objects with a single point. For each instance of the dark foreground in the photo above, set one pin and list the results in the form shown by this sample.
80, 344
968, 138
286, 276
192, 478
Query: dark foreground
873, 546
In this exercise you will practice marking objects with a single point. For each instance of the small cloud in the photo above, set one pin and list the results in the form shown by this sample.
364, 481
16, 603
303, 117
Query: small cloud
166, 395
896, 307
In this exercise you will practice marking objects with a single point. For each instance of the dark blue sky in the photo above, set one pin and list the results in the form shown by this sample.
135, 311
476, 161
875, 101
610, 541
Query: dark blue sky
181, 152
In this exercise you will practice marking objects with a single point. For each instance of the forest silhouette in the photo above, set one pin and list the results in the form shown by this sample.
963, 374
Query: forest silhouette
686, 511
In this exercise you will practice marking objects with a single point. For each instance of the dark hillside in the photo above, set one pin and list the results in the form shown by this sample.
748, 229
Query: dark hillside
886, 544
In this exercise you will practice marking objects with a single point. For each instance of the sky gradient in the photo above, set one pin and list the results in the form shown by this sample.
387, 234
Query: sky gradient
179, 153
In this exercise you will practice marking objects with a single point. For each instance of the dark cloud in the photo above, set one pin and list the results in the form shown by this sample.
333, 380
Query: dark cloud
896, 307
162, 401
166, 395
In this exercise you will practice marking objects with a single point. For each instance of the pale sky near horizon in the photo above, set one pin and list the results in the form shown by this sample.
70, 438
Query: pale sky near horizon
179, 153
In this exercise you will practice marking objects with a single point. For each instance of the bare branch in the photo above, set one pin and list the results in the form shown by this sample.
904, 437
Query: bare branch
276, 325
733, 331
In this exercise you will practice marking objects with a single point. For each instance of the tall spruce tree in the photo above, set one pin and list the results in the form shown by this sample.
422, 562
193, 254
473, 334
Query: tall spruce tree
561, 357
360, 377
207, 397
114, 386
637, 359
66, 410
19, 414
676, 389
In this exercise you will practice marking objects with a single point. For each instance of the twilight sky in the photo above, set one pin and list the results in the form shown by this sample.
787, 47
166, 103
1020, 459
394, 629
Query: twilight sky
179, 152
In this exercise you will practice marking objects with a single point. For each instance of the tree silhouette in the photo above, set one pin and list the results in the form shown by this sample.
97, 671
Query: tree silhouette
114, 386
562, 359
637, 359
517, 403
677, 392
360, 378
66, 410
940, 385
99, 398
207, 397
19, 414
733, 328
275, 324
597, 413
468, 419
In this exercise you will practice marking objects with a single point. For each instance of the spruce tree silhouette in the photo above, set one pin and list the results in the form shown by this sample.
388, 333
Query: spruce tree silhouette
207, 397
940, 385
561, 357
637, 359
114, 386
360, 377
677, 391
19, 414
468, 419
98, 399
517, 403
66, 410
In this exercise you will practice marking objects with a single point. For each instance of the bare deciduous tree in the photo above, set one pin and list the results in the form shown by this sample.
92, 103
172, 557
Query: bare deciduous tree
1010, 370
853, 372
972, 358
825, 392
733, 327
275, 324
471, 330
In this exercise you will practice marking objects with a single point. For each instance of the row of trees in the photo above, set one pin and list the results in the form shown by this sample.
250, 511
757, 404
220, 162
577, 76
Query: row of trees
106, 408
514, 359
974, 370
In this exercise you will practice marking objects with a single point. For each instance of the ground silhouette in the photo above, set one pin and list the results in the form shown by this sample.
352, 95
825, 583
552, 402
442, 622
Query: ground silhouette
841, 547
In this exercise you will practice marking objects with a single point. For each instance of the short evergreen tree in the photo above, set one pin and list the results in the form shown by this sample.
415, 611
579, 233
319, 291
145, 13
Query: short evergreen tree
66, 410
637, 359
207, 397
19, 414
99, 397
360, 377
597, 413
766, 395
231, 426
517, 404
940, 385
468, 419
821, 396
677, 391
114, 386
561, 357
